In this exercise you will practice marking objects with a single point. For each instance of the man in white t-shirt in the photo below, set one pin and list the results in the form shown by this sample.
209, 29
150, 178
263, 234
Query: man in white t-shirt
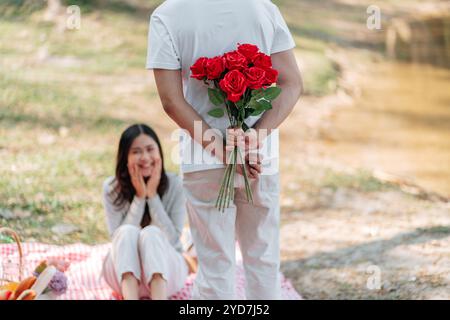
181, 31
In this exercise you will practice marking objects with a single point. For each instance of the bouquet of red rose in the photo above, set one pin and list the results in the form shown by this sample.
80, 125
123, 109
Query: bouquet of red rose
240, 85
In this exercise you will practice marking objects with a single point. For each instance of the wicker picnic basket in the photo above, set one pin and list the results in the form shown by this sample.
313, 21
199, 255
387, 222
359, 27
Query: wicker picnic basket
3, 278
20, 288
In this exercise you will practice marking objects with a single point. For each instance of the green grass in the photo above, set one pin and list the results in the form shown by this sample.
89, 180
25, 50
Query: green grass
320, 76
57, 177
19, 9
435, 230
57, 184
360, 180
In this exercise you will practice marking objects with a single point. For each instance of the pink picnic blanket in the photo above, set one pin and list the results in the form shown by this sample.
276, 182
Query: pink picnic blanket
84, 274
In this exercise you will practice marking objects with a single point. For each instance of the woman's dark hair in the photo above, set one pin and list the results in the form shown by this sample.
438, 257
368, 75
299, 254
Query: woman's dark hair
124, 190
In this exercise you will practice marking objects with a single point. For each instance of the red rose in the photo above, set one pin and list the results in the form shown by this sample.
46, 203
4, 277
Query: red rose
235, 60
248, 51
198, 69
234, 85
271, 76
262, 60
256, 77
214, 67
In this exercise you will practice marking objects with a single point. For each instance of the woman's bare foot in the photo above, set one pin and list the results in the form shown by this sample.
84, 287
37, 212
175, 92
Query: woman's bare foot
130, 287
158, 287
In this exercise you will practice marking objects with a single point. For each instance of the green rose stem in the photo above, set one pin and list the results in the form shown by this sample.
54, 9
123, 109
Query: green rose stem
222, 188
248, 190
221, 197
224, 201
231, 182
226, 192
233, 173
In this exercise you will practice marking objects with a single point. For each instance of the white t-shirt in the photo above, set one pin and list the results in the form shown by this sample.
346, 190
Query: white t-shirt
181, 31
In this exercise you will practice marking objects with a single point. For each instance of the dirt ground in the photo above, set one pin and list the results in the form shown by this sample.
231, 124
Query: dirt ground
332, 247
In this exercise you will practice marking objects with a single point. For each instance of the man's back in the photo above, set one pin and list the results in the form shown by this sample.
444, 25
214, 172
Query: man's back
181, 31
213, 27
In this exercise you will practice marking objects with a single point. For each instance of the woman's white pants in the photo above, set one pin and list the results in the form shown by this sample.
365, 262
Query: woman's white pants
144, 252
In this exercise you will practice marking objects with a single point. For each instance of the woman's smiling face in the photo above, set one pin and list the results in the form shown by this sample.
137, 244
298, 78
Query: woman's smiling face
143, 152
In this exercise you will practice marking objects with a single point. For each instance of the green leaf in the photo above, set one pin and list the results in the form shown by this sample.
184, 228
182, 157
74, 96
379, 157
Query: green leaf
253, 104
233, 110
272, 93
215, 96
239, 104
257, 112
265, 105
245, 126
216, 113
223, 94
248, 112
258, 95
260, 106
257, 92
242, 114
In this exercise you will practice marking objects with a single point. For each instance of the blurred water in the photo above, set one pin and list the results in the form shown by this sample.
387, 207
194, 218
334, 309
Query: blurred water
401, 123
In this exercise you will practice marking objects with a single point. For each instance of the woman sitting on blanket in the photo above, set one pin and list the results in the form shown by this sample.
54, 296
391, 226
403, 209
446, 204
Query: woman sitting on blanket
145, 212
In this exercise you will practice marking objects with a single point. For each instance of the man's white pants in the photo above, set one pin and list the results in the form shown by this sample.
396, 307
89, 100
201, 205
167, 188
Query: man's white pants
256, 227
144, 252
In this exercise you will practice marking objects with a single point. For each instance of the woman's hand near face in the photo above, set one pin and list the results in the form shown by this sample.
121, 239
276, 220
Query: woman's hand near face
153, 181
137, 180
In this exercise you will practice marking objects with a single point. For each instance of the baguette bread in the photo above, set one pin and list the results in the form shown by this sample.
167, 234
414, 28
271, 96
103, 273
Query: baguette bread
24, 285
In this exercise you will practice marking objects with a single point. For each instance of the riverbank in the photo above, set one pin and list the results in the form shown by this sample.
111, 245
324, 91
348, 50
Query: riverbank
345, 221
393, 113
341, 222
